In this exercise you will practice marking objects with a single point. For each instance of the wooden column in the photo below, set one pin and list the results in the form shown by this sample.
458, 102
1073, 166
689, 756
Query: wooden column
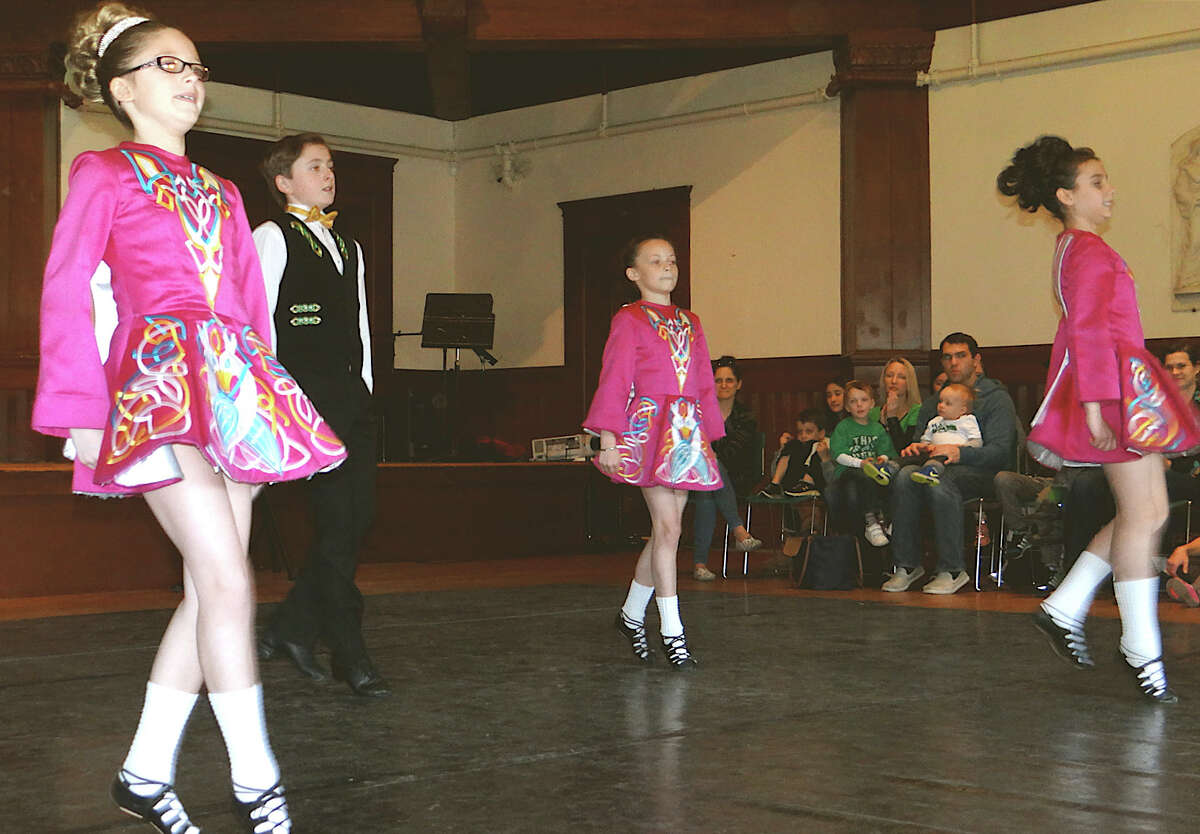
28, 205
885, 196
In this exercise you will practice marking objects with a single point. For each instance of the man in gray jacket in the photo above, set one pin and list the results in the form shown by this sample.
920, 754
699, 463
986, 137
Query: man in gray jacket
970, 476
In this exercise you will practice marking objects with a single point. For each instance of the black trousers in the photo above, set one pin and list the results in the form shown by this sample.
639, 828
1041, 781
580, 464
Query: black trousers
324, 603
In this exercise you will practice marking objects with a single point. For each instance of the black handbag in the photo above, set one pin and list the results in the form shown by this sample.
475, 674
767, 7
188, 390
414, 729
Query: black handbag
828, 563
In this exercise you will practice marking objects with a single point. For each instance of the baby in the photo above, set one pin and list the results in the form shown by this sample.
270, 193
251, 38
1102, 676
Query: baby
954, 425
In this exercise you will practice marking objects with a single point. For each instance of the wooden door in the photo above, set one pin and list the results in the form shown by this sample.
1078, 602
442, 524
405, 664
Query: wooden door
595, 232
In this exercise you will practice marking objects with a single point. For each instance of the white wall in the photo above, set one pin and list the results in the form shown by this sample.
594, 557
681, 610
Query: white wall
990, 261
765, 208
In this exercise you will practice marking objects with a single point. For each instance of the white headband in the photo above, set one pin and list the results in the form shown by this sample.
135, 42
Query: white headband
115, 31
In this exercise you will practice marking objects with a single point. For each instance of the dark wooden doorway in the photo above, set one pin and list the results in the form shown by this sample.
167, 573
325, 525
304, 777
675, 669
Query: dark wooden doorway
594, 233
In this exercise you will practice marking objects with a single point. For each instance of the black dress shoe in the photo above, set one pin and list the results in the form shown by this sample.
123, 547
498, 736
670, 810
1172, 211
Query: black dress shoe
678, 653
362, 678
162, 809
635, 633
270, 646
1152, 680
1071, 646
268, 814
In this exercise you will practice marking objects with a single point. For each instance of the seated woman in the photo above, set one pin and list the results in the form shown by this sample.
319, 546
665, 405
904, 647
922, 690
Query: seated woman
901, 396
835, 406
740, 468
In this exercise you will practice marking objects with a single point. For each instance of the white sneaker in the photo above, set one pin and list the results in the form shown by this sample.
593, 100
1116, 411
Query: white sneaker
947, 583
903, 579
703, 573
874, 532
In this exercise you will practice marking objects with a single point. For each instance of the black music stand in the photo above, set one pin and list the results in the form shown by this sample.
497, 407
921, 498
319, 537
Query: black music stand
457, 320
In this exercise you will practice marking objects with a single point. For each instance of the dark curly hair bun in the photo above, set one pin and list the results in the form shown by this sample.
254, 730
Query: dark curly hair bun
1039, 169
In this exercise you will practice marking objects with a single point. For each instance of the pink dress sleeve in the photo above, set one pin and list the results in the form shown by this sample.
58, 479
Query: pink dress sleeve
71, 390
607, 412
1087, 287
252, 291
710, 409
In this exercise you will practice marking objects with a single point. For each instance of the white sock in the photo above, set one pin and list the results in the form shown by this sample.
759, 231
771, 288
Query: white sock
1068, 605
1137, 600
669, 623
244, 726
155, 745
636, 601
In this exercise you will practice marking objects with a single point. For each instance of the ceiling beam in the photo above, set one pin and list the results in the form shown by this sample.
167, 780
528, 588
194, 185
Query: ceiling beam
490, 25
444, 27
681, 22
239, 21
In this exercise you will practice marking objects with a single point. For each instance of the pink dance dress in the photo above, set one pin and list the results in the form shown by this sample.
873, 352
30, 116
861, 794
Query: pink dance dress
1099, 355
153, 320
656, 395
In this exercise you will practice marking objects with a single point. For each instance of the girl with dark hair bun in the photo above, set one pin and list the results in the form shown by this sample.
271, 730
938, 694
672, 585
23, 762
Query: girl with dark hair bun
656, 413
1108, 402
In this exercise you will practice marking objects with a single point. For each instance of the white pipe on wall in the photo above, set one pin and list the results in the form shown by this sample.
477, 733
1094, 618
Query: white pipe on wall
996, 69
256, 130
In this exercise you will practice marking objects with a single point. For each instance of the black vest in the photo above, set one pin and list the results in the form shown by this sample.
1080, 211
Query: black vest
316, 323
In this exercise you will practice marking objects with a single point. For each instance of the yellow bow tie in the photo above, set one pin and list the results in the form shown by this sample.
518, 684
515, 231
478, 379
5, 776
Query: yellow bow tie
314, 214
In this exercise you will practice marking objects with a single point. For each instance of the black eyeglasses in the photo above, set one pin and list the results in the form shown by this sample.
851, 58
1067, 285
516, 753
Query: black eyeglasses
173, 65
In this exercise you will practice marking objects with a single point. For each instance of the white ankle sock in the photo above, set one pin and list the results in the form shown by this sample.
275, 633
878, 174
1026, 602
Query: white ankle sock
1068, 605
1137, 600
636, 601
669, 623
240, 716
155, 745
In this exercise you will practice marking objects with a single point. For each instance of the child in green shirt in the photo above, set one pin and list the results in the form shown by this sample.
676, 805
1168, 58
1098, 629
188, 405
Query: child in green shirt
854, 499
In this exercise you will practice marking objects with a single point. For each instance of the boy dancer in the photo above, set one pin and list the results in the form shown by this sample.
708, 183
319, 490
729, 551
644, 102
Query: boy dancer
317, 294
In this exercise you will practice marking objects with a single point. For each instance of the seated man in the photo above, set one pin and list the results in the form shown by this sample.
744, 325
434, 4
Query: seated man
970, 477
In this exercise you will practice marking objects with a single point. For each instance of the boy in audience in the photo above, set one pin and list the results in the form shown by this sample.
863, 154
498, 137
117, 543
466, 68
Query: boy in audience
799, 468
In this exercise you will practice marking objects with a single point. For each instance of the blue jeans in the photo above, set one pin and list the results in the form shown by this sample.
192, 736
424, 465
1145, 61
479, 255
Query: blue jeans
959, 483
848, 497
707, 504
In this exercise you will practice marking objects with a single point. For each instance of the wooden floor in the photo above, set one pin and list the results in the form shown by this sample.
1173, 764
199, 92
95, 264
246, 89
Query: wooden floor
593, 569
517, 708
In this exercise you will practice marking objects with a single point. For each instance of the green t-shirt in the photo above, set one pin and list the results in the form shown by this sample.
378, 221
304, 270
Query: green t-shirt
857, 441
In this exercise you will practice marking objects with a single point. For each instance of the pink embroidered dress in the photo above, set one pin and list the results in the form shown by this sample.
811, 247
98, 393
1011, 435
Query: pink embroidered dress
656, 395
1099, 355
185, 360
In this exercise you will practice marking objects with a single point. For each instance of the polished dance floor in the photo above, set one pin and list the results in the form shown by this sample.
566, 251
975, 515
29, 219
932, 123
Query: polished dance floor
518, 708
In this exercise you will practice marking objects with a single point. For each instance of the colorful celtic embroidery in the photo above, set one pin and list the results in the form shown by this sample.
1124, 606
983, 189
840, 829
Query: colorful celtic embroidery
632, 446
677, 333
198, 200
341, 245
307, 235
1149, 426
155, 402
685, 456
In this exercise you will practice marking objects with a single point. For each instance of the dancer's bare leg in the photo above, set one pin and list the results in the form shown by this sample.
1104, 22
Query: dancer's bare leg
659, 556
210, 638
1139, 488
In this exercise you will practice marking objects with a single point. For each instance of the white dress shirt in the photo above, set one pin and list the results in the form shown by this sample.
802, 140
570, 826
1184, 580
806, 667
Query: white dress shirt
272, 251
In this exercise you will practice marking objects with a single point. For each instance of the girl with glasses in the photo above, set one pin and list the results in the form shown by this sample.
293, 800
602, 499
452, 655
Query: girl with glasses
155, 365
